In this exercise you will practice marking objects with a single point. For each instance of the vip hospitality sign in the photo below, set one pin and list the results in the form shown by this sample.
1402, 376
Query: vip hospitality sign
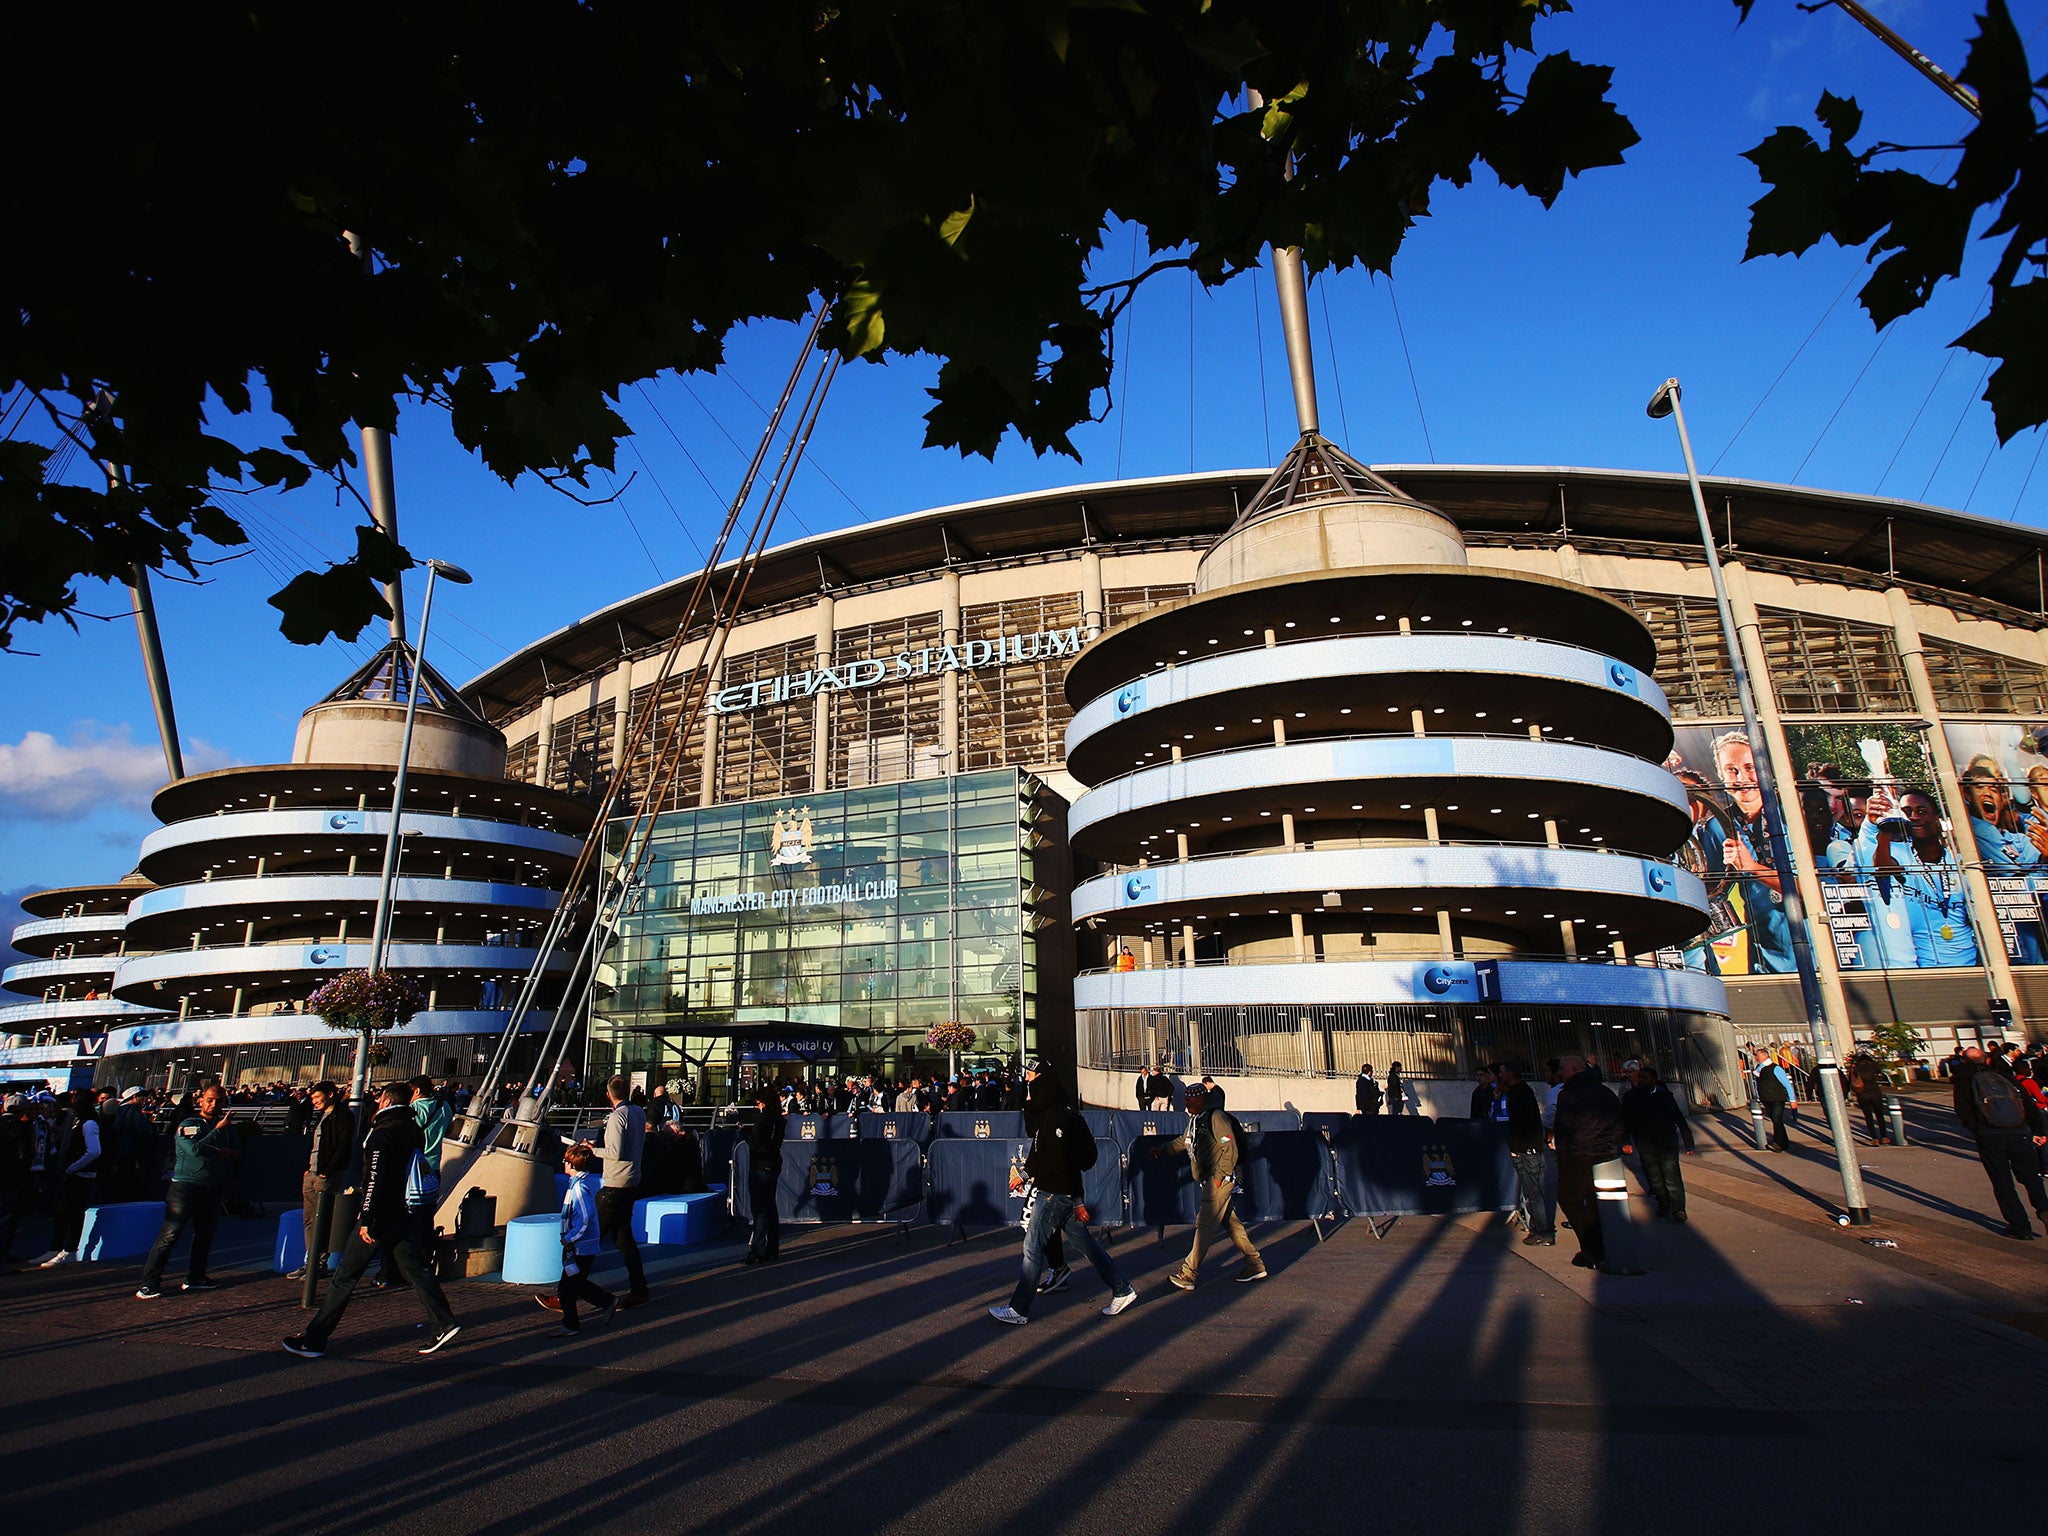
870, 672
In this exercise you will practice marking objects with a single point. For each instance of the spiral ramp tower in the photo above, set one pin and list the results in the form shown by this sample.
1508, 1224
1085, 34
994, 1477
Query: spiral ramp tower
1356, 799
76, 939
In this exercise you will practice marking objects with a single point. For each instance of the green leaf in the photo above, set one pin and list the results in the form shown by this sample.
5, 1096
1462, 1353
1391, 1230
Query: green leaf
337, 601
860, 314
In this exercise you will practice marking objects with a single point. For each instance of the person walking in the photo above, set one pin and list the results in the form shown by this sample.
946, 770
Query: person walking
205, 1151
334, 1140
17, 1183
2010, 1130
392, 1176
1062, 1152
1867, 1086
1366, 1092
764, 1175
82, 1162
1526, 1141
1144, 1090
625, 1142
1397, 1090
581, 1231
1662, 1137
1212, 1145
1773, 1085
1587, 1132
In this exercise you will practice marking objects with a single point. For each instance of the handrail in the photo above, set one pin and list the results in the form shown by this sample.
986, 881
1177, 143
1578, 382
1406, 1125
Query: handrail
202, 949
1323, 741
1367, 845
1651, 962
381, 809
1461, 633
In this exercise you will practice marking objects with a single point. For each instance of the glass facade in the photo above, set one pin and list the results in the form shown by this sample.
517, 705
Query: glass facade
859, 917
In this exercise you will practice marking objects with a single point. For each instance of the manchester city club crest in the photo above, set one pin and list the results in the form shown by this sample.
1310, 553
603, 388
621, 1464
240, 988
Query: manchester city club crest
984, 1129
807, 1128
791, 839
824, 1177
888, 1130
1437, 1172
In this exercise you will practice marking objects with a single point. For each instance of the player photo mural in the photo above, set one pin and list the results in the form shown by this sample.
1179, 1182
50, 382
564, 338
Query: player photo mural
2003, 774
1890, 879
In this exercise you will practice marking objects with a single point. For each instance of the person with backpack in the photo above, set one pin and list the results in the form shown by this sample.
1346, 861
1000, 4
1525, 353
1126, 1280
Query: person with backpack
1062, 1152
1212, 1142
396, 1206
1366, 1093
2010, 1131
1773, 1086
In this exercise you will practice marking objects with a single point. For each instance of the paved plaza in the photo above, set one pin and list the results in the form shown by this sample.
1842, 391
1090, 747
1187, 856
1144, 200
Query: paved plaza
1774, 1370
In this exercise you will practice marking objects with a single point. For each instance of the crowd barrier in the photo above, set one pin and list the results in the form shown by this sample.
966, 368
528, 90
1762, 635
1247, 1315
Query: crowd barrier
980, 1124
1282, 1175
1411, 1165
843, 1179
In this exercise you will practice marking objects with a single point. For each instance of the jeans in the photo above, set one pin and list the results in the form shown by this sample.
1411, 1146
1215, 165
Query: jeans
1048, 1216
185, 1205
2010, 1156
311, 1187
16, 1200
1217, 1215
1575, 1199
1661, 1176
615, 1222
403, 1243
79, 1192
767, 1238
1873, 1117
1535, 1199
576, 1285
1779, 1138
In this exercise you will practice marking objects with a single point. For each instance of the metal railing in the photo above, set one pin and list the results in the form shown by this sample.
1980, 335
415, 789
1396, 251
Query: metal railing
1347, 845
1652, 962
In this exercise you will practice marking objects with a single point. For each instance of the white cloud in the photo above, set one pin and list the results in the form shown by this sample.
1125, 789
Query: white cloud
98, 769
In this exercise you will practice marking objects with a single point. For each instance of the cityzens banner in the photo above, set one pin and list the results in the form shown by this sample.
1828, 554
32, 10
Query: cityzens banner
1008, 650
836, 893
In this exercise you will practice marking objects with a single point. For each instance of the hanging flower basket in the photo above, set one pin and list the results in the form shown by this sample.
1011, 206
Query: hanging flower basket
359, 1002
380, 1053
950, 1036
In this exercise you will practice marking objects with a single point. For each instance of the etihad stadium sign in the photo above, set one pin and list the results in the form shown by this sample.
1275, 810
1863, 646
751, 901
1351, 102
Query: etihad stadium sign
870, 672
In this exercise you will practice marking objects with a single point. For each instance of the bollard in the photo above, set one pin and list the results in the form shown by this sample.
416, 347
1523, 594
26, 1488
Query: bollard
1895, 1112
1756, 1125
1619, 1234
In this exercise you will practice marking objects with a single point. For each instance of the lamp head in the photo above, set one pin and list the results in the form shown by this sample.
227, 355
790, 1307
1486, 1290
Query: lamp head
1665, 401
447, 572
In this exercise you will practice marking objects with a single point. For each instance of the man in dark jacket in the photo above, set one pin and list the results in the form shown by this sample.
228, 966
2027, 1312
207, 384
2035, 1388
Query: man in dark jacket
1366, 1092
1658, 1128
2010, 1131
387, 1217
764, 1173
1587, 1131
334, 1139
1525, 1150
206, 1149
1061, 1150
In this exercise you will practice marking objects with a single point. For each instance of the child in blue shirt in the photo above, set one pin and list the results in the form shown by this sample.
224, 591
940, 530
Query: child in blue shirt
579, 1247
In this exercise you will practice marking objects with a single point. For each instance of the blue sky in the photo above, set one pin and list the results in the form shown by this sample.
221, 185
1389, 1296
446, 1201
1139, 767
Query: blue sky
1535, 335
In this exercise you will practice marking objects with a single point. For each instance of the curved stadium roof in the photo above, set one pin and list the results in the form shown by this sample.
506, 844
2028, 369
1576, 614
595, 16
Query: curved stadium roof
1969, 562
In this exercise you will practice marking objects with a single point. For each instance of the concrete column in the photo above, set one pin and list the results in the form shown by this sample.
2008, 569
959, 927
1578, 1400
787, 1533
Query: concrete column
949, 684
544, 741
1092, 606
1300, 934
1287, 828
1187, 945
1983, 916
622, 683
1430, 828
1749, 633
821, 704
707, 791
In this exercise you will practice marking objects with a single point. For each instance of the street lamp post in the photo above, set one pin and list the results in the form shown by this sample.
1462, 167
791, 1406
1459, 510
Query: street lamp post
1664, 403
380, 933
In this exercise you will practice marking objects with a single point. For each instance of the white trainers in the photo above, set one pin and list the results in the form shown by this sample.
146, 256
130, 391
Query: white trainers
47, 1259
1120, 1303
1008, 1314
60, 1257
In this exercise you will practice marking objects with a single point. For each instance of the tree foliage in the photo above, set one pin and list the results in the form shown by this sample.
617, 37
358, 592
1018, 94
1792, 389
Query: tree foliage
1917, 228
561, 197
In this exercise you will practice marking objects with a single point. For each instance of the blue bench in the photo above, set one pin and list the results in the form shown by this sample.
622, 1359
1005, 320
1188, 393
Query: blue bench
677, 1221
533, 1251
123, 1231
